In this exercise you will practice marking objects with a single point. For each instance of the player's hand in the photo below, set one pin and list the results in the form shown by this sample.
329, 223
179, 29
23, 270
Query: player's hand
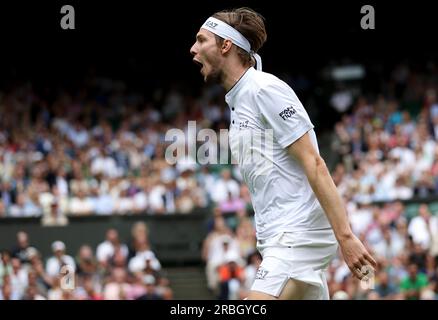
360, 262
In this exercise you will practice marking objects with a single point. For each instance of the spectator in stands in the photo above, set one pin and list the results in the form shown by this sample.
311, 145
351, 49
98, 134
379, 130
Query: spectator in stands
35, 282
425, 186
231, 278
21, 249
32, 294
144, 261
5, 265
232, 204
18, 277
139, 239
211, 247
413, 285
86, 262
54, 214
388, 246
245, 235
80, 203
24, 207
151, 292
106, 249
164, 288
420, 227
59, 259
6, 292
385, 289
43, 280
225, 185
418, 256
7, 193
117, 287
90, 289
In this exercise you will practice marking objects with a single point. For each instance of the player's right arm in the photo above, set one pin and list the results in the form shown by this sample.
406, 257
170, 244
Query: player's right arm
355, 254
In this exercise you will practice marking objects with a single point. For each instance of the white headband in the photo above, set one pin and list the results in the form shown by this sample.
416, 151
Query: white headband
226, 31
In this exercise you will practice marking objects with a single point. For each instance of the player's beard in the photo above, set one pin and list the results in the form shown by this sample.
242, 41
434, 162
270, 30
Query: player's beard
215, 76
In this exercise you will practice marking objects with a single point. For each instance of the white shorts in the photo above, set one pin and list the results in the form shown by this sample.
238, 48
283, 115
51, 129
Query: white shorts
303, 256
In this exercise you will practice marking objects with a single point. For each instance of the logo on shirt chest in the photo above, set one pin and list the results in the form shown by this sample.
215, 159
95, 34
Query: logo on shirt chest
287, 113
243, 124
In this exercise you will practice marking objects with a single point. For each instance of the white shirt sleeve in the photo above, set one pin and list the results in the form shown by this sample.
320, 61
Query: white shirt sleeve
283, 112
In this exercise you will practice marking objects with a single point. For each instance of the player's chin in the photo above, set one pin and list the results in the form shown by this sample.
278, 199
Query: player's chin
211, 77
205, 75
208, 79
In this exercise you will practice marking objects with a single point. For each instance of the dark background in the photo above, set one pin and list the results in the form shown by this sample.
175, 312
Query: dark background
147, 42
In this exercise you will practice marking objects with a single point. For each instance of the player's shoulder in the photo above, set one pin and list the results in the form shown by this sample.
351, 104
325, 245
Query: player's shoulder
265, 82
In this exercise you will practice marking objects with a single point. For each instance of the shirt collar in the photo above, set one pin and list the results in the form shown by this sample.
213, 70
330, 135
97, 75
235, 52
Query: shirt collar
243, 79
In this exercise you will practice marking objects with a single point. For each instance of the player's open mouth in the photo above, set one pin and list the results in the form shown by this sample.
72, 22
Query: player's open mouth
198, 64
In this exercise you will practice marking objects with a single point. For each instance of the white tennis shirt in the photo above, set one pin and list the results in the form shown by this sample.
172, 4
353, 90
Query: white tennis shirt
266, 118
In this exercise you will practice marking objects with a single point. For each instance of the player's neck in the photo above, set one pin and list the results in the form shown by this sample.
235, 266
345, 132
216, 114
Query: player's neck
232, 74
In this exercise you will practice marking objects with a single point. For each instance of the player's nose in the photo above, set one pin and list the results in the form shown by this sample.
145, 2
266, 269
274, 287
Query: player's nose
193, 50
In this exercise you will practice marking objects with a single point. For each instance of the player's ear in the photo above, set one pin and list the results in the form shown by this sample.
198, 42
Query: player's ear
226, 46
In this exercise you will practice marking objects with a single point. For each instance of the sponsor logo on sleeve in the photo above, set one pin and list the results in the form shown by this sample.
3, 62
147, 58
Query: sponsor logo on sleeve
287, 113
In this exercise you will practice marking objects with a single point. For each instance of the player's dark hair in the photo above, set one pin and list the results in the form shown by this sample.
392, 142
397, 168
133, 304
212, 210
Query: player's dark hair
250, 24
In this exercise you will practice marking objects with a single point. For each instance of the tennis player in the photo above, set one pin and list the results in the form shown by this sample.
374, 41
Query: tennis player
300, 217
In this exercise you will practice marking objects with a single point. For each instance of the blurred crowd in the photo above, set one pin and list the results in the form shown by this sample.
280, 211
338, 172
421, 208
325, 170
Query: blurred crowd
385, 154
112, 271
101, 151
406, 251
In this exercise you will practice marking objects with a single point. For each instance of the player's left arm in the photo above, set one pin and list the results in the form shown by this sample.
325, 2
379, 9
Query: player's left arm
318, 175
